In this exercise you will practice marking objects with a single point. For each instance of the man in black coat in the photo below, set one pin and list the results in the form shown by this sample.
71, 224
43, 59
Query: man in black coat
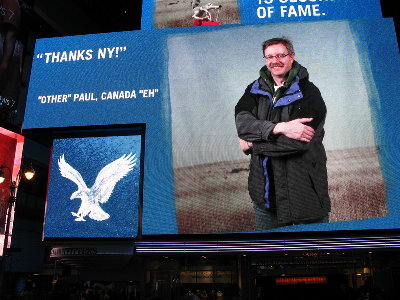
280, 120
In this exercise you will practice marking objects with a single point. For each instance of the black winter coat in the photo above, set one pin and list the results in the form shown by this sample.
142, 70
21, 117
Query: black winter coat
297, 170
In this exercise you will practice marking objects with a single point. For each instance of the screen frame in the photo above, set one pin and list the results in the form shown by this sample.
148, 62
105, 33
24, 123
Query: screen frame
48, 135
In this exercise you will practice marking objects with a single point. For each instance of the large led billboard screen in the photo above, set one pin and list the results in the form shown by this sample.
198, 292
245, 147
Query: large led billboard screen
187, 13
184, 84
94, 187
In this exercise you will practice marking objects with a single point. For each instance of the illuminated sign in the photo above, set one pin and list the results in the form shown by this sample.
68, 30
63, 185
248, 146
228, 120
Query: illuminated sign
206, 276
183, 84
61, 252
301, 280
91, 251
94, 187
167, 14
11, 145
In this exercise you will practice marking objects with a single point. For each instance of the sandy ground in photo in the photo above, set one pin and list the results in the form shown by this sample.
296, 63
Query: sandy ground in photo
178, 13
213, 198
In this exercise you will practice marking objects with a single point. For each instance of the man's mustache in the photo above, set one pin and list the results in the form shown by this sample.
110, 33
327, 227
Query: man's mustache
276, 65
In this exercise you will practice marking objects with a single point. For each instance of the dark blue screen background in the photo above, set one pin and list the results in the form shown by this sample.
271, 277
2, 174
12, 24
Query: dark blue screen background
88, 156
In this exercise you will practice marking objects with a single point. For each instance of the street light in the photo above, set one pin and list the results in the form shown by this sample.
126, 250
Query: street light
29, 173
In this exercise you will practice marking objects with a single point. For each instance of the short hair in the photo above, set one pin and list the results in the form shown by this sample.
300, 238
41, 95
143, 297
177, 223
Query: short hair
279, 40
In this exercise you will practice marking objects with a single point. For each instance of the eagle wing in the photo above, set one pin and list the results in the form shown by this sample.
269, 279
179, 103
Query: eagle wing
110, 175
69, 172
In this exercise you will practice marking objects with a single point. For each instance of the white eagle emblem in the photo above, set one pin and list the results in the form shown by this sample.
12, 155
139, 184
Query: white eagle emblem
102, 188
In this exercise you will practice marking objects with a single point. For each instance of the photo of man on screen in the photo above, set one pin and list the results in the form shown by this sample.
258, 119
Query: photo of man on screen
280, 122
210, 170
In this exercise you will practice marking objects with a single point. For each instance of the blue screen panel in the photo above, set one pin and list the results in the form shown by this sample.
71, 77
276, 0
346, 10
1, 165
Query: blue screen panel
171, 14
94, 188
187, 82
105, 79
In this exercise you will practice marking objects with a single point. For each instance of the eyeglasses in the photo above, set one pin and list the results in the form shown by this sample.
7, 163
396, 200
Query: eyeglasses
278, 56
